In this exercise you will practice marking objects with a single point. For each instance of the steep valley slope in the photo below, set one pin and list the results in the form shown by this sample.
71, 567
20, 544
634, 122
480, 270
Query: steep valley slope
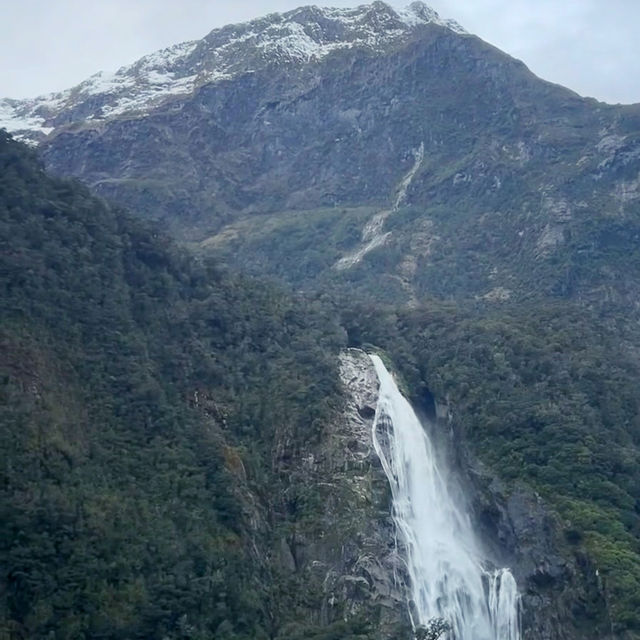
172, 440
186, 448
187, 453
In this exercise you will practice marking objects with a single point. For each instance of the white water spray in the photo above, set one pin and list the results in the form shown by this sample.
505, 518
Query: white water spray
447, 572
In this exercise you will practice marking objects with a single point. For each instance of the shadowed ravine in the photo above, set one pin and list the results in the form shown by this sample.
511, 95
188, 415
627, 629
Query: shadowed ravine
450, 579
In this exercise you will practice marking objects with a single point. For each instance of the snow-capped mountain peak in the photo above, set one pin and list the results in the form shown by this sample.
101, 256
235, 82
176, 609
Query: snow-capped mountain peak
300, 36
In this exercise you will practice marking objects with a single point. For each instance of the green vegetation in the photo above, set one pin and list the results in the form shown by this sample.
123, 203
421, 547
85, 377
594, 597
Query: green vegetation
294, 246
153, 408
435, 628
544, 394
141, 396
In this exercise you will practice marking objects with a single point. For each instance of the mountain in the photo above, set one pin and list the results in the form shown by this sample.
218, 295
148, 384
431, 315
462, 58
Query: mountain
299, 36
423, 194
332, 145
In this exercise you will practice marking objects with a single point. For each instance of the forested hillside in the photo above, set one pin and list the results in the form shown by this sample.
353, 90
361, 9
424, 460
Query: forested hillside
146, 397
141, 397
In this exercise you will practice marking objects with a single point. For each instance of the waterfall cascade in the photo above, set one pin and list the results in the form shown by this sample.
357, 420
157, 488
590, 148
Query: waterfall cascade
449, 577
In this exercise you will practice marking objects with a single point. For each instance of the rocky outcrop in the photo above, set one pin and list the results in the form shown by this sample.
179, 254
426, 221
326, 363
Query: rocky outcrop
344, 553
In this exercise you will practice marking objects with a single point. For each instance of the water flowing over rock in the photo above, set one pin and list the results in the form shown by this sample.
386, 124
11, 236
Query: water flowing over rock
449, 576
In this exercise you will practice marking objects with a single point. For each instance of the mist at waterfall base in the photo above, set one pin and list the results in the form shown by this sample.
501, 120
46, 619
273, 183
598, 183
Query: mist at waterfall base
449, 578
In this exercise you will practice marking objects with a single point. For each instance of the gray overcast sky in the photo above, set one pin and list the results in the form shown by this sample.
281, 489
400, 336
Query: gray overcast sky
590, 46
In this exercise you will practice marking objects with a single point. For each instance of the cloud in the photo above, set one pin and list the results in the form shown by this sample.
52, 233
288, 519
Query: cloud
584, 44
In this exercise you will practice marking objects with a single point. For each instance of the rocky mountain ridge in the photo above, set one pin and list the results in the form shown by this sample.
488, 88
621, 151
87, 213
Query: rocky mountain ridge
297, 37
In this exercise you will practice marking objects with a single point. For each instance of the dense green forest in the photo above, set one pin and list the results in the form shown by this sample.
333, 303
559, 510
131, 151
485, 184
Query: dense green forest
143, 393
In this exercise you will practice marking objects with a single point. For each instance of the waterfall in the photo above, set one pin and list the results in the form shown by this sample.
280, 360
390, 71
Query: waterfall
449, 577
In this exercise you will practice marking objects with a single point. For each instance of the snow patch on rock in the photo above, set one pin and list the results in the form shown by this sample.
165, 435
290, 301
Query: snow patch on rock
17, 120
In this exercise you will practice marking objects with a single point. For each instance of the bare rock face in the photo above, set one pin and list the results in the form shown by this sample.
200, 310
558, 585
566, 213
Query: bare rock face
344, 552
301, 36
560, 589
361, 383
372, 573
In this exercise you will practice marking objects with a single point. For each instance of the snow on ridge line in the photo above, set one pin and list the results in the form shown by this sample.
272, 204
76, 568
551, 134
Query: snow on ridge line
303, 34
11, 121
